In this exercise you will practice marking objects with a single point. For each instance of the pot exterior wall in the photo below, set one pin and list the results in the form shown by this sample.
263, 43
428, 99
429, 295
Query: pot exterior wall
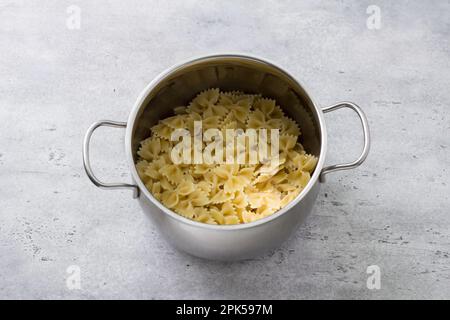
226, 244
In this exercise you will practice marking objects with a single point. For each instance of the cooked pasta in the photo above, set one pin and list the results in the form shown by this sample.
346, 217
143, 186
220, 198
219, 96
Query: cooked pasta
225, 193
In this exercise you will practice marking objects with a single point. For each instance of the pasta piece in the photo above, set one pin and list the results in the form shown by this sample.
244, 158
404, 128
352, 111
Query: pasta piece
186, 209
240, 200
256, 199
240, 113
216, 215
204, 186
175, 122
309, 162
287, 142
213, 111
288, 198
221, 197
170, 199
257, 120
231, 220
286, 187
277, 113
201, 169
250, 216
185, 188
153, 169
198, 198
289, 127
228, 209
173, 173
265, 105
299, 178
207, 97
150, 148
212, 122
156, 188
162, 131
203, 100
165, 184
265, 211
206, 218
233, 184
141, 167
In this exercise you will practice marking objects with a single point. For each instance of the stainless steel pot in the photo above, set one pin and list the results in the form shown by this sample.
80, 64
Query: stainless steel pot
177, 86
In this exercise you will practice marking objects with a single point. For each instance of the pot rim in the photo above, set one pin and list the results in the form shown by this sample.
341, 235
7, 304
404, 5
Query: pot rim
140, 100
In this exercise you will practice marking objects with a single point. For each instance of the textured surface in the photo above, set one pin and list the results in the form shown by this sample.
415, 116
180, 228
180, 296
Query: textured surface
392, 212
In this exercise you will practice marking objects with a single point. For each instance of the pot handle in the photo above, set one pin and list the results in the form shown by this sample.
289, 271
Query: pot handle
87, 162
366, 134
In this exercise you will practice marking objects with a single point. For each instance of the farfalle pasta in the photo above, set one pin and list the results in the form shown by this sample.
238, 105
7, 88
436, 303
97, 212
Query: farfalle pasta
224, 193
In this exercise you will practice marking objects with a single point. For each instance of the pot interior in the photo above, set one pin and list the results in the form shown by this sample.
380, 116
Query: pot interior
180, 85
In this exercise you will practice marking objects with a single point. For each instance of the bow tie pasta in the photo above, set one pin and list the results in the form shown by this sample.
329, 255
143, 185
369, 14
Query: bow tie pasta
224, 193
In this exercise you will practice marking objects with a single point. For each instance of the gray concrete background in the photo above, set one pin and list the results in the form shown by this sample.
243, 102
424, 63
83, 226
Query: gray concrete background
392, 212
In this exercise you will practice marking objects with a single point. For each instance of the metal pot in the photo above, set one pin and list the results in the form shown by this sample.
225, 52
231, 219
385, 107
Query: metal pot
178, 85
